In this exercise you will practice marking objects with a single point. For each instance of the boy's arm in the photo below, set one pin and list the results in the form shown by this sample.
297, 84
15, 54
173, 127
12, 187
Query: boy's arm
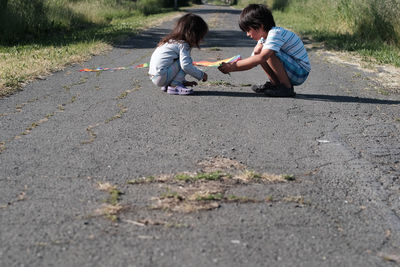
248, 63
257, 49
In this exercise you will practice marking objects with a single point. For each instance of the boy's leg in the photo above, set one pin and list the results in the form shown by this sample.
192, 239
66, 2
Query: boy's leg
277, 72
280, 85
270, 73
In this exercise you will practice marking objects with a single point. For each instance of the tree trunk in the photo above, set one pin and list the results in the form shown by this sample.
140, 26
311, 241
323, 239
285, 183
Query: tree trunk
3, 9
3, 5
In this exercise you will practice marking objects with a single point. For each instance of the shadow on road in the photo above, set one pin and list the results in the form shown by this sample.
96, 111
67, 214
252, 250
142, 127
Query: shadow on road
330, 98
224, 39
346, 99
149, 39
213, 11
225, 93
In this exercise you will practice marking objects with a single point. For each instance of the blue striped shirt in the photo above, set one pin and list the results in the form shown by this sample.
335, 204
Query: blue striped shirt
284, 41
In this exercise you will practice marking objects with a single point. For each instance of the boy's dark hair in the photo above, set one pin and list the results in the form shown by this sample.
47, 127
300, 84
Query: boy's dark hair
256, 16
190, 28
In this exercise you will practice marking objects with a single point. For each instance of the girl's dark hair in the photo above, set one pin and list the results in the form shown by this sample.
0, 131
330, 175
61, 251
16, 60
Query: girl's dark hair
256, 16
190, 28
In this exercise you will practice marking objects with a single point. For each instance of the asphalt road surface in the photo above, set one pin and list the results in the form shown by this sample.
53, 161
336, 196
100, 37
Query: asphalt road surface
89, 165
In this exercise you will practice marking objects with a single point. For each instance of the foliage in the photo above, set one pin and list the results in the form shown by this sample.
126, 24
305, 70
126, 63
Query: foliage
148, 7
369, 27
363, 19
24, 20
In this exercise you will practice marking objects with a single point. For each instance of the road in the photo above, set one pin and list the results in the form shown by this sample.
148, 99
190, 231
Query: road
89, 165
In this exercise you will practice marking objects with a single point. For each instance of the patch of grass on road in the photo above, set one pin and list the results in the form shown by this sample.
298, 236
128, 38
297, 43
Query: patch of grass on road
191, 191
111, 208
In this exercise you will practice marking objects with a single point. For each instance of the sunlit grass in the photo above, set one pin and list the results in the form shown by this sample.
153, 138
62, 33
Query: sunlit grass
367, 27
22, 63
336, 39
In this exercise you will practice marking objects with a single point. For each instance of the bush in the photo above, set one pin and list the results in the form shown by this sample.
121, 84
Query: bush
148, 7
22, 20
372, 19
22, 16
366, 19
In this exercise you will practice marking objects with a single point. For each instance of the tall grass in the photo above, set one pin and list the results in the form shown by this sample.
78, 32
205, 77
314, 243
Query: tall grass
41, 36
24, 20
366, 19
369, 27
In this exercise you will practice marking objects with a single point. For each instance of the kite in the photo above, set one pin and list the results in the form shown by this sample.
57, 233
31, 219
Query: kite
216, 63
146, 65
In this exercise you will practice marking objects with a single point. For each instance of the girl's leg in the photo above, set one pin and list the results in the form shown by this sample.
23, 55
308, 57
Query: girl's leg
176, 80
276, 72
175, 75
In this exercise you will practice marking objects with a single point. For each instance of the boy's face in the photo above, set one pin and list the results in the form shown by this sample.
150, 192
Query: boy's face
256, 34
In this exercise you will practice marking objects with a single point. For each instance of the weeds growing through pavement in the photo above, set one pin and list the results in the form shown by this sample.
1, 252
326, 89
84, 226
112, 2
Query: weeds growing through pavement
218, 83
111, 208
213, 185
194, 191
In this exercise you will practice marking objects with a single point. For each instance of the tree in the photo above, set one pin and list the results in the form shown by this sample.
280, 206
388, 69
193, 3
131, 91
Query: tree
3, 5
3, 9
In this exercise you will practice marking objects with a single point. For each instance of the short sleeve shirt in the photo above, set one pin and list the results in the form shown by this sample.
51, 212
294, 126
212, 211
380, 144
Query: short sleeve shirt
284, 41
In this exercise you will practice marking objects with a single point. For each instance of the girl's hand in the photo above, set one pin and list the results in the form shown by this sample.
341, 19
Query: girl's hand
187, 83
205, 77
225, 68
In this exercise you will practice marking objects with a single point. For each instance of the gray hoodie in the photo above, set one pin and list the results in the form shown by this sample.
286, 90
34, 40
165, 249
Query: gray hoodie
166, 54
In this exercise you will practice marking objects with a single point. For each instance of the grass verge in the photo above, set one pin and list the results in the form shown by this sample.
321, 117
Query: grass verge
362, 27
35, 59
375, 51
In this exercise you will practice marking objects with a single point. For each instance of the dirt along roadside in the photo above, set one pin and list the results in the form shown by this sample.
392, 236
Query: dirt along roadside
104, 169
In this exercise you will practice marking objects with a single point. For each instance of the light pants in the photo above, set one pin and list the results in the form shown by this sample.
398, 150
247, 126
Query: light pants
173, 75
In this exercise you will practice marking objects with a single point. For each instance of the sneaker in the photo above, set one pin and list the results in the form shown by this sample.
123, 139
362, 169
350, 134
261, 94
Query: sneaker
164, 88
179, 90
260, 88
280, 91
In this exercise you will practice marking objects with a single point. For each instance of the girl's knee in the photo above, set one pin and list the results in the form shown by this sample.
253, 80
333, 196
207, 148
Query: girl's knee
159, 81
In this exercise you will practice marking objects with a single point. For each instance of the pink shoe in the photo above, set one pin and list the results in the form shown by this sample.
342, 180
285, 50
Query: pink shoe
179, 90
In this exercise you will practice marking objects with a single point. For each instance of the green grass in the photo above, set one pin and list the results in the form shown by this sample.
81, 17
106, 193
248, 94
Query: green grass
82, 29
200, 176
33, 58
114, 196
371, 50
366, 27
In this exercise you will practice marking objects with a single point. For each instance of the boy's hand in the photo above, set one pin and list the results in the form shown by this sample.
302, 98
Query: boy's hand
257, 49
205, 77
225, 68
